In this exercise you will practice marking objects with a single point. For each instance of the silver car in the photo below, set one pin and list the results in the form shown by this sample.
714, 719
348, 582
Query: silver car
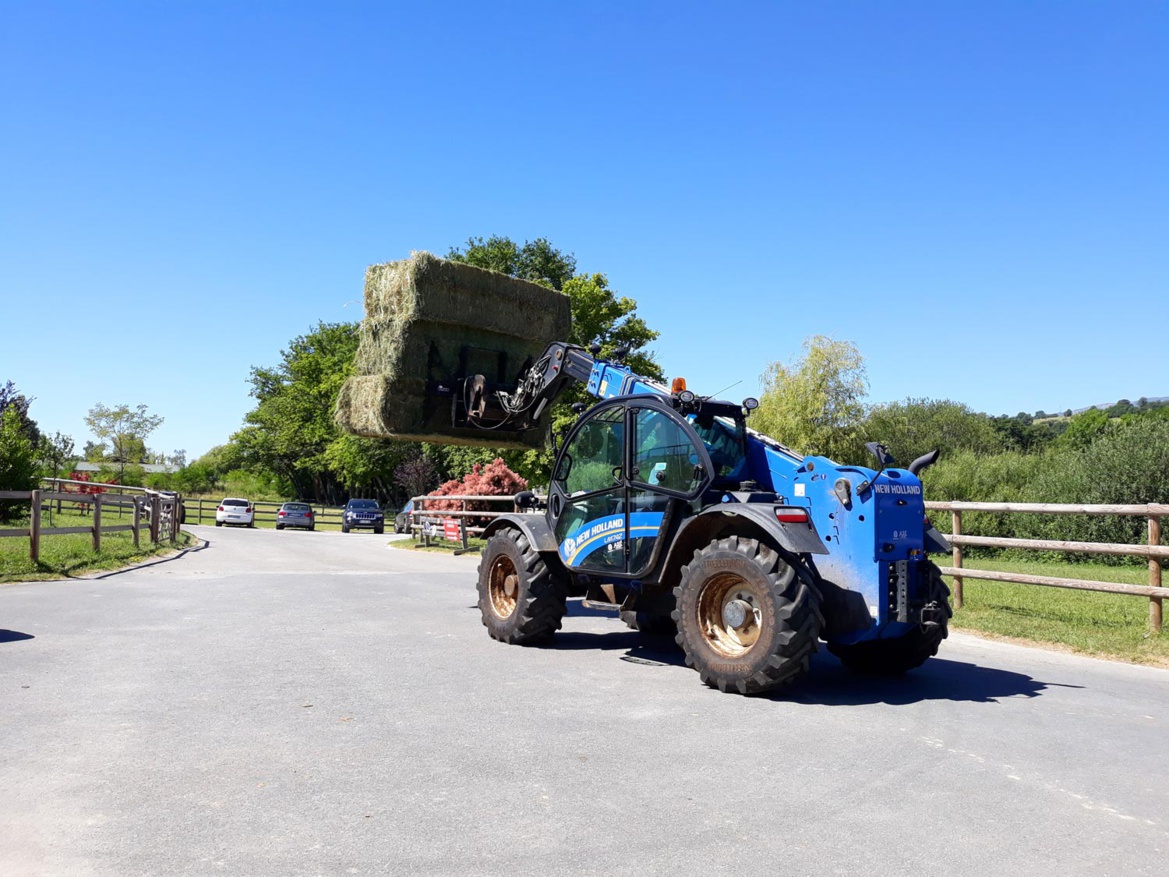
296, 514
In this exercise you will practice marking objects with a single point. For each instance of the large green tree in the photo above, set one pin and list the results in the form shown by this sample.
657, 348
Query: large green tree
600, 315
291, 432
18, 460
815, 404
125, 429
291, 427
916, 426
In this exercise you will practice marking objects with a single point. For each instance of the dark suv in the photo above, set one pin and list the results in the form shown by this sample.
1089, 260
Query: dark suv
363, 514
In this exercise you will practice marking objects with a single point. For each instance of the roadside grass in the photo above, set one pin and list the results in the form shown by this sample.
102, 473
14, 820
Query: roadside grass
73, 555
1103, 625
439, 545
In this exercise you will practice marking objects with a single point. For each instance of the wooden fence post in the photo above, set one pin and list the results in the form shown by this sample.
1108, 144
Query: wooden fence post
97, 522
957, 531
34, 528
1155, 603
155, 514
137, 518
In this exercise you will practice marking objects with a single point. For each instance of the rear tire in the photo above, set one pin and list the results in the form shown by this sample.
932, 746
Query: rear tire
219, 523
748, 615
520, 600
893, 657
279, 526
379, 530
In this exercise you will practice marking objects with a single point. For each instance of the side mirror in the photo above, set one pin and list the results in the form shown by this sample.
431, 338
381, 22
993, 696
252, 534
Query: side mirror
526, 499
878, 450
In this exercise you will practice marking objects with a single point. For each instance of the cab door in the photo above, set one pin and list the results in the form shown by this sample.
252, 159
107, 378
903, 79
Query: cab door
627, 467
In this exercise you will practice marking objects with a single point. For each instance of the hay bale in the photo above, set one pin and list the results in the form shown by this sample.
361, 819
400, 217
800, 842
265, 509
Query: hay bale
428, 323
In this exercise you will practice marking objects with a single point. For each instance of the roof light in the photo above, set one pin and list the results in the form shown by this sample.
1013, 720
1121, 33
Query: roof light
678, 385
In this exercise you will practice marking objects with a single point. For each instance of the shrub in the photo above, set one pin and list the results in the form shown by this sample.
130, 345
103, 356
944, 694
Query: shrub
492, 479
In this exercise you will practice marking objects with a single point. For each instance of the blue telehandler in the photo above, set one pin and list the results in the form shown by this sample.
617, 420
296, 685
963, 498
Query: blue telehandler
666, 508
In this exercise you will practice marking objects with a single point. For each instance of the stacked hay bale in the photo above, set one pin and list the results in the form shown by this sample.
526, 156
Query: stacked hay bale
429, 322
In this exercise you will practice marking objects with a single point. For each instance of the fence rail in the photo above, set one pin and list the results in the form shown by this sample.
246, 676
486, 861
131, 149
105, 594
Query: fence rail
161, 512
1152, 550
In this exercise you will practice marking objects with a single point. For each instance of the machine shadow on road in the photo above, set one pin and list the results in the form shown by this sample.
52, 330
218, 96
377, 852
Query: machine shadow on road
830, 683
14, 636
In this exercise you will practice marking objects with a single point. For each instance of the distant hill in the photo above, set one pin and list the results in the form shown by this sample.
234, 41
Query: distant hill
1106, 405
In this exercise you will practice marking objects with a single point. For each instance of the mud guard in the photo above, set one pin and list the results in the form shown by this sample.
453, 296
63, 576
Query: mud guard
535, 527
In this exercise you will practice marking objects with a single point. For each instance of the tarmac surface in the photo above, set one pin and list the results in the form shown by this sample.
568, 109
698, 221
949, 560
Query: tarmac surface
293, 703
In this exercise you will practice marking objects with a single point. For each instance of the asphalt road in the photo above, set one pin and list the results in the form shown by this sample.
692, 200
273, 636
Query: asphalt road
316, 703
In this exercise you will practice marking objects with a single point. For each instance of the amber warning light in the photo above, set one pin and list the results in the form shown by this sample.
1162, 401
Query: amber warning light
678, 385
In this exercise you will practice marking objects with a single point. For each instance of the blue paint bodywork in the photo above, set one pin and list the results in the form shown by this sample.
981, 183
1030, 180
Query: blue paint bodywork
874, 536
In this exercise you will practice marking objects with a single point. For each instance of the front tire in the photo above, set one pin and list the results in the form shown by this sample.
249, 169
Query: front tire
748, 615
344, 529
520, 600
893, 657
378, 531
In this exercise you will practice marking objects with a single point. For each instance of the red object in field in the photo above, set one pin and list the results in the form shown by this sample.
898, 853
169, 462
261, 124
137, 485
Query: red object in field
450, 529
792, 516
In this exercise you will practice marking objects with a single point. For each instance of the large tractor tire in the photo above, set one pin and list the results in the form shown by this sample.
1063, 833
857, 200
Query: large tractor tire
748, 615
892, 657
521, 601
650, 623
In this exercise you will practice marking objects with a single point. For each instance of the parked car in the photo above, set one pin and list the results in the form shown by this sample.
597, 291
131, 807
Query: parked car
295, 514
363, 514
402, 518
234, 510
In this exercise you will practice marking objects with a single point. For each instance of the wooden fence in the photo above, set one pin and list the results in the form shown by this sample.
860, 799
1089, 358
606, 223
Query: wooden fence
161, 513
202, 511
1152, 550
428, 522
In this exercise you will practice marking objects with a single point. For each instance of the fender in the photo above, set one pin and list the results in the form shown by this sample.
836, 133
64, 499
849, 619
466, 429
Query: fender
535, 527
733, 518
935, 542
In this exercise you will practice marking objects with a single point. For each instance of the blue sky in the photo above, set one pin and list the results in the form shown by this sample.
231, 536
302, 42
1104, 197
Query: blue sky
974, 193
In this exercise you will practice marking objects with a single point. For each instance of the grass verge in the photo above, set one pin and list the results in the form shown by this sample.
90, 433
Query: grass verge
438, 546
73, 555
1104, 625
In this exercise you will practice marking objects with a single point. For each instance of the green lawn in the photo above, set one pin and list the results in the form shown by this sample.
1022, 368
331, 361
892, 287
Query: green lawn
73, 555
1106, 625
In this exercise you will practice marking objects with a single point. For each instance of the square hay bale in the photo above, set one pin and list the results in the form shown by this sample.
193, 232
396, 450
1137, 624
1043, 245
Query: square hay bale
429, 323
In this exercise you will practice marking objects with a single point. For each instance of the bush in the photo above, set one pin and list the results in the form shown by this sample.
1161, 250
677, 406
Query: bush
493, 479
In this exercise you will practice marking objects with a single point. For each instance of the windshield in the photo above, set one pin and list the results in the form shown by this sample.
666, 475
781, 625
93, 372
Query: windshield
295, 507
725, 445
363, 504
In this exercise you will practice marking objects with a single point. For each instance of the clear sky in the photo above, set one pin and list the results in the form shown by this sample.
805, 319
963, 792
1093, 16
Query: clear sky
975, 193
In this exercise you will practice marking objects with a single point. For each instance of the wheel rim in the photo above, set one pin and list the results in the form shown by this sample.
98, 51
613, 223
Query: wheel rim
729, 614
503, 587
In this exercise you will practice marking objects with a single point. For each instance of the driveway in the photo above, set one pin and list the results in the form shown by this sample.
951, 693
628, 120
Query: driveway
294, 703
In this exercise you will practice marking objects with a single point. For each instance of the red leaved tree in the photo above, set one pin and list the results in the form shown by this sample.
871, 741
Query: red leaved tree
493, 479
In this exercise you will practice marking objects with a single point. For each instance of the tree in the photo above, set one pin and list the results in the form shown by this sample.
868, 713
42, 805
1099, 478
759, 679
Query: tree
599, 316
917, 426
12, 399
537, 261
57, 454
416, 475
815, 404
18, 463
125, 429
1084, 428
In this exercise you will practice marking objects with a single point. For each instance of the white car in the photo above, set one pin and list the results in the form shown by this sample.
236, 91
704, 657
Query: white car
235, 511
